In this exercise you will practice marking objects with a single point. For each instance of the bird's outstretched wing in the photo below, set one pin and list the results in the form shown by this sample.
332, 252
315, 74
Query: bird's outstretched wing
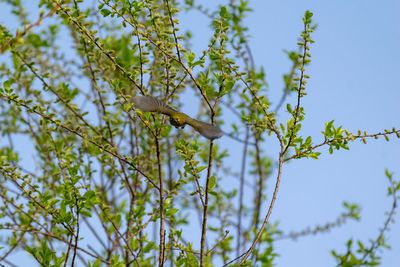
177, 118
205, 129
151, 104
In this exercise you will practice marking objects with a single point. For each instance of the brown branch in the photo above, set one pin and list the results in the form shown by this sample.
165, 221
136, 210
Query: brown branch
206, 196
79, 134
348, 138
317, 229
188, 70
260, 183
299, 91
246, 254
241, 192
171, 20
161, 207
218, 243
389, 219
50, 235
108, 55
27, 28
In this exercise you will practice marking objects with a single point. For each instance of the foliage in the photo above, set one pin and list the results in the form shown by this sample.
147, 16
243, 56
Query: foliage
100, 183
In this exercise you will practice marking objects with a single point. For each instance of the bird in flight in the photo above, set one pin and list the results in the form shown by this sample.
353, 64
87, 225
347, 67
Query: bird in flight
176, 118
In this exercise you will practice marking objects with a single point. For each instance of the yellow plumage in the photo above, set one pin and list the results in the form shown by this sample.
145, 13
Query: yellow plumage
177, 118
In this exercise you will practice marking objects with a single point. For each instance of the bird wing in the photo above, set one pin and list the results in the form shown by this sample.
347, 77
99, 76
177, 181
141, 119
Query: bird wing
205, 129
151, 104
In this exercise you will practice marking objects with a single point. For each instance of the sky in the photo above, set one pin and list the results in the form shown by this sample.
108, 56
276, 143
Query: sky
354, 71
354, 81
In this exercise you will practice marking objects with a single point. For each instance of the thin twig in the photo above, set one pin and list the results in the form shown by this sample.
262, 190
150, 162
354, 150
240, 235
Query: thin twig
246, 254
385, 228
241, 192
161, 207
206, 196
348, 138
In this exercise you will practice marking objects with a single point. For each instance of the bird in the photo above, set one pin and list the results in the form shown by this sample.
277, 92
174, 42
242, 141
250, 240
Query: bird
176, 118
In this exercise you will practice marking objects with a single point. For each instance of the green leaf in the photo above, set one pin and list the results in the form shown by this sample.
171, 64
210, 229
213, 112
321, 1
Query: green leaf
105, 12
212, 182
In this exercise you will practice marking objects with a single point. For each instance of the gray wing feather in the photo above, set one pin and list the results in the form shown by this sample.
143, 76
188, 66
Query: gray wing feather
151, 104
206, 129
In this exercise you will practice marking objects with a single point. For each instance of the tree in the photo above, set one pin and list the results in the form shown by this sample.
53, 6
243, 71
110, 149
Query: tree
111, 184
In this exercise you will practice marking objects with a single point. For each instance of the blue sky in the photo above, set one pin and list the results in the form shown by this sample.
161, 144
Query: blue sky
354, 80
